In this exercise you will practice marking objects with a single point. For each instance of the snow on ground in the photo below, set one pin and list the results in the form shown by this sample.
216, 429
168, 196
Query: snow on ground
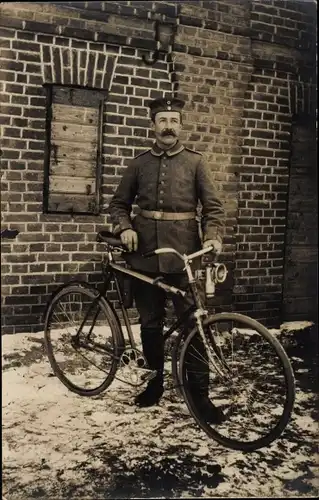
58, 445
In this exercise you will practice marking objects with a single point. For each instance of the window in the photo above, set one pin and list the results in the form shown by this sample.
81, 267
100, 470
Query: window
73, 156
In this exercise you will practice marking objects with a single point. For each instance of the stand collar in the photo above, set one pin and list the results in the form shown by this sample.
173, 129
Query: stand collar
157, 151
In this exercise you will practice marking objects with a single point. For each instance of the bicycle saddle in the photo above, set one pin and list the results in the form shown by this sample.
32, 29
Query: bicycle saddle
110, 239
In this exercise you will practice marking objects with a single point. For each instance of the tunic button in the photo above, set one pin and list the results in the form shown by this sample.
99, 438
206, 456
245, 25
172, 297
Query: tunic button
161, 201
161, 192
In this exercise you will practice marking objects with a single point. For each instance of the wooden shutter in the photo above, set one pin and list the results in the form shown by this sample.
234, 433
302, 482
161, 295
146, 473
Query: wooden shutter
74, 148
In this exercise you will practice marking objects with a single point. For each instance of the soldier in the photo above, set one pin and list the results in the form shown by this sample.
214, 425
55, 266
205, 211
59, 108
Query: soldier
166, 182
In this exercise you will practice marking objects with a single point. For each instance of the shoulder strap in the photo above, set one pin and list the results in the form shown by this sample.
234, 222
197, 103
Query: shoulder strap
141, 154
193, 151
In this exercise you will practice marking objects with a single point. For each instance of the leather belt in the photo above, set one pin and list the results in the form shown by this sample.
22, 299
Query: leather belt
161, 215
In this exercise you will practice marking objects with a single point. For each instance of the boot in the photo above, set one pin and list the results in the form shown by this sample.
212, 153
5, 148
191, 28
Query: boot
153, 392
211, 413
153, 349
198, 382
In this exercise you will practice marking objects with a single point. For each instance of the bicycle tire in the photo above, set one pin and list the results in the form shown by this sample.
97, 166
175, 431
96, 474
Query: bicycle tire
57, 349
175, 362
247, 338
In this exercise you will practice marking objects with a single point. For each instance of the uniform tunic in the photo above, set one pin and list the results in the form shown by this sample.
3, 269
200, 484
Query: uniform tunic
171, 181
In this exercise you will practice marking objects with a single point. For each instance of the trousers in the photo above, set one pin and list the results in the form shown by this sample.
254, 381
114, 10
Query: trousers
150, 303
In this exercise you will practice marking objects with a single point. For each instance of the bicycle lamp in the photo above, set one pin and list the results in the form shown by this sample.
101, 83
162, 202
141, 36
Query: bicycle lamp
214, 274
219, 273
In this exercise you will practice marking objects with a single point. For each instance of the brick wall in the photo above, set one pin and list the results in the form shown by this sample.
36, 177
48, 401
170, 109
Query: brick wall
235, 62
52, 249
282, 36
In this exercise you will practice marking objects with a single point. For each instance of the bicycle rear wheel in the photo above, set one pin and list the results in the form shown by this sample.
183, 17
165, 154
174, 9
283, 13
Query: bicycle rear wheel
250, 380
83, 339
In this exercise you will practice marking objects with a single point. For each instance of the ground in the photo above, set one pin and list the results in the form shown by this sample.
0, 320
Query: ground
58, 445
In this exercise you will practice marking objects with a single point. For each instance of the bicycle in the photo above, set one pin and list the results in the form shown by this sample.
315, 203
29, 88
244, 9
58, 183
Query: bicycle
251, 378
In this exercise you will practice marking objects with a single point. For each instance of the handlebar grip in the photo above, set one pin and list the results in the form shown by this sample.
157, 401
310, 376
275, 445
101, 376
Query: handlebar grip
109, 238
100, 238
211, 256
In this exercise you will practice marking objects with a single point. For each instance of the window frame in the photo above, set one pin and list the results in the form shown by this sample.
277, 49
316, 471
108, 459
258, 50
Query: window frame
49, 87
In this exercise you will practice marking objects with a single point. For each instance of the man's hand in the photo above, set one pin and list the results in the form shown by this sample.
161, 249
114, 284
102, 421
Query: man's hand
129, 239
213, 243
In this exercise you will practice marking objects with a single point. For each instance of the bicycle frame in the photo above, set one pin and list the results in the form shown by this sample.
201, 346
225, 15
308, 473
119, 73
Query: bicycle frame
196, 309
111, 269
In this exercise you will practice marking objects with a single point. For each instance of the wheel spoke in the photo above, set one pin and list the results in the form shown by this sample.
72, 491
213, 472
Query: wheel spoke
252, 390
80, 340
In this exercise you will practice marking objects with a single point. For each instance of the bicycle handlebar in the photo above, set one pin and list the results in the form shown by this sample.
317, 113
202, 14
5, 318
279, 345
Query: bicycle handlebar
184, 258
110, 239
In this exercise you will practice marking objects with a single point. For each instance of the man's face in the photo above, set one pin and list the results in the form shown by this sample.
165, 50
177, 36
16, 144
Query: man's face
167, 127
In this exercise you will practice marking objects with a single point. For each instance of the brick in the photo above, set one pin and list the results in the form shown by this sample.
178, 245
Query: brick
12, 132
36, 247
34, 113
137, 122
108, 38
115, 119
162, 8
70, 247
108, 7
18, 300
44, 38
67, 237
190, 21
38, 27
35, 279
7, 54
36, 146
52, 247
19, 99
11, 110
33, 134
264, 28
11, 258
53, 268
23, 217
52, 257
10, 280
9, 154
25, 46
7, 33
24, 56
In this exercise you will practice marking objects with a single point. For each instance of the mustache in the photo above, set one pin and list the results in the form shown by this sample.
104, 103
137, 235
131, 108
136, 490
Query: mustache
168, 132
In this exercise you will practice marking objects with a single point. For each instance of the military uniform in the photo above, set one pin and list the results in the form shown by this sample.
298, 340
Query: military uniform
167, 182
166, 186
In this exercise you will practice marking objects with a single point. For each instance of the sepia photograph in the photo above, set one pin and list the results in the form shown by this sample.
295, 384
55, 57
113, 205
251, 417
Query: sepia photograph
159, 249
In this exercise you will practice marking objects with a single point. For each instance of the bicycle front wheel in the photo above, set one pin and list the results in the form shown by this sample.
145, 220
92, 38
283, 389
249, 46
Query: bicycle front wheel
247, 375
83, 339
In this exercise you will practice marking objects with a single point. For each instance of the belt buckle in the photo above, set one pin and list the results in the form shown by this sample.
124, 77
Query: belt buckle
158, 215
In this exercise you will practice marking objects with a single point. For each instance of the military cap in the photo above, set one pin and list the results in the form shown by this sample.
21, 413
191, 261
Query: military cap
166, 104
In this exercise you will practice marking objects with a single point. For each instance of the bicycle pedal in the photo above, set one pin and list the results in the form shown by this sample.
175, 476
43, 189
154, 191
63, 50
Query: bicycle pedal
148, 376
134, 375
